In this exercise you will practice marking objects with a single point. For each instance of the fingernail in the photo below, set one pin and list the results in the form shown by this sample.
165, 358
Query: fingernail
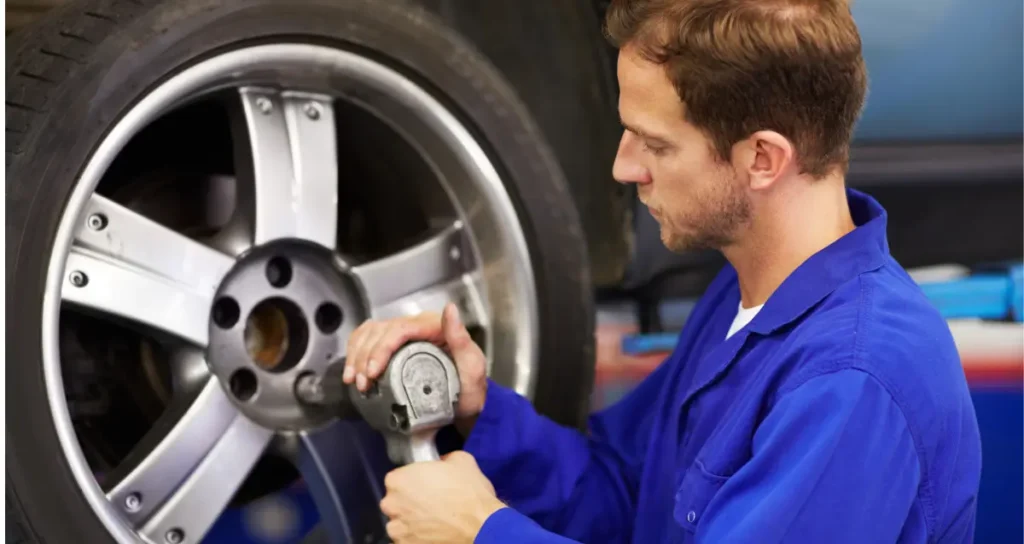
371, 368
361, 381
455, 314
348, 374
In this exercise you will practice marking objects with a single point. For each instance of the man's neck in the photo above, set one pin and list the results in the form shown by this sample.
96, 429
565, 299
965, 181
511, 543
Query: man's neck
788, 231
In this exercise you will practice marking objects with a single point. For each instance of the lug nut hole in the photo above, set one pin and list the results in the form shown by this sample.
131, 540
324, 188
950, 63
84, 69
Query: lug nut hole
243, 384
279, 272
328, 317
226, 312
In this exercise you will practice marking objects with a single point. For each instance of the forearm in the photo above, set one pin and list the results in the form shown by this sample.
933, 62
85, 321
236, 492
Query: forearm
568, 483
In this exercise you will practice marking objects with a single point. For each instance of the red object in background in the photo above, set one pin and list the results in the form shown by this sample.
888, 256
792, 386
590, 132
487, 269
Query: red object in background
992, 354
615, 366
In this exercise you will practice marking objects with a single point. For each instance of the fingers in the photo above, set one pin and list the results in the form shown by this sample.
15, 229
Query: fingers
393, 481
355, 353
459, 457
389, 507
397, 531
398, 334
460, 344
365, 360
470, 360
372, 344
392, 478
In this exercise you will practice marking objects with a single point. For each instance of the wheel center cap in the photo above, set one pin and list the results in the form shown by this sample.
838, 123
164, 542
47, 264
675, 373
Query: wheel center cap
284, 311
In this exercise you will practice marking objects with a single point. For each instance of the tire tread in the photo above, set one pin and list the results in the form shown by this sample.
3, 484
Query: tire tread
44, 55
16, 527
47, 53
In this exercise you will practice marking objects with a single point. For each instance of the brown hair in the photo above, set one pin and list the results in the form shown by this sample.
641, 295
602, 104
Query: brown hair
739, 66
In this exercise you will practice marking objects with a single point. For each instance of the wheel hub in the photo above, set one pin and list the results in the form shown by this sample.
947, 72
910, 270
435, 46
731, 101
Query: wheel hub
285, 310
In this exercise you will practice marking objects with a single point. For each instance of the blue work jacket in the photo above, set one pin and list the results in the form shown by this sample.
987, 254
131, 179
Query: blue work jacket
839, 414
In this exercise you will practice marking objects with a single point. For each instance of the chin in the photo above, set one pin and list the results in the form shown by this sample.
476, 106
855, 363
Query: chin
674, 242
678, 242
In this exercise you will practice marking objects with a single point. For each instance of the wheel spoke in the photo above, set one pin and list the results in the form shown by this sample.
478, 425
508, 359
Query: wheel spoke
187, 480
424, 277
127, 265
178, 443
295, 167
344, 466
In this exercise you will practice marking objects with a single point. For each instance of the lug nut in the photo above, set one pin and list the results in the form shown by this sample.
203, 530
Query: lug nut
175, 536
309, 389
264, 105
97, 221
312, 110
455, 253
78, 278
133, 502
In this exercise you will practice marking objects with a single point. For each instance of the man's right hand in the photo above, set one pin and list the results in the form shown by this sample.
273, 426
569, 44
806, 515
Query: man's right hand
372, 344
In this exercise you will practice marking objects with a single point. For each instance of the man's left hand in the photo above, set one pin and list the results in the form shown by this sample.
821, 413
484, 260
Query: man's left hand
439, 501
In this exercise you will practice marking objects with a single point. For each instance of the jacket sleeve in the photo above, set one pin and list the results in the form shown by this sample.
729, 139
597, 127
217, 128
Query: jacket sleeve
833, 461
583, 487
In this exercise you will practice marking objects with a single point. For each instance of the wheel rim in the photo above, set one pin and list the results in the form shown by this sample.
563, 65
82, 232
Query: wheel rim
481, 260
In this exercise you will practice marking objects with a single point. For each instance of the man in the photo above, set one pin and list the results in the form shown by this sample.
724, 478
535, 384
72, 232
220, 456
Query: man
814, 394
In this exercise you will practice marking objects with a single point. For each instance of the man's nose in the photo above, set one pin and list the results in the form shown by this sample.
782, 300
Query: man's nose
627, 169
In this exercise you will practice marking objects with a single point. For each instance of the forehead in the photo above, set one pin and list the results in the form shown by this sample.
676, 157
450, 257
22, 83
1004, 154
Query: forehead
646, 95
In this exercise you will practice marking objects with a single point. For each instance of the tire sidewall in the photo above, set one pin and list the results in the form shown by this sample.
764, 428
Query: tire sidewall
169, 37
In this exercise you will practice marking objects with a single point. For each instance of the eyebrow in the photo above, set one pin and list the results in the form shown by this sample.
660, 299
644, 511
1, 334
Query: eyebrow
643, 134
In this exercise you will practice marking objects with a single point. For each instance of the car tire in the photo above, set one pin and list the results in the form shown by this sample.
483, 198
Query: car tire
75, 72
572, 95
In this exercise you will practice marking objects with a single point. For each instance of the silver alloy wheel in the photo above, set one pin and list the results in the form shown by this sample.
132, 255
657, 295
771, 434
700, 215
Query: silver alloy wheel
110, 259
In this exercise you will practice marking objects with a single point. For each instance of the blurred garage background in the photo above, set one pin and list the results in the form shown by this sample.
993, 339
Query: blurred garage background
940, 145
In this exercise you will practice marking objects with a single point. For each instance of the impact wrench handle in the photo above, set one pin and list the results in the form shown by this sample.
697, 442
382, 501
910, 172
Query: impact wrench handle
414, 397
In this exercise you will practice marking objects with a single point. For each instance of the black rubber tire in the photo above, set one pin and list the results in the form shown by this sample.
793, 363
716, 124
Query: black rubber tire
564, 73
73, 74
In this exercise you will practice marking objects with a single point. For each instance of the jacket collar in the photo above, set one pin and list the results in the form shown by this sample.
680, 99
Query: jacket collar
861, 250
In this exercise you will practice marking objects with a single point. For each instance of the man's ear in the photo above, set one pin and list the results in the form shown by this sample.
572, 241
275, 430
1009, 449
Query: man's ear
768, 156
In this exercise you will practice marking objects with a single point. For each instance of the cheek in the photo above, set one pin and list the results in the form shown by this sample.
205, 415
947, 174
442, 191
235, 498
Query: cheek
673, 184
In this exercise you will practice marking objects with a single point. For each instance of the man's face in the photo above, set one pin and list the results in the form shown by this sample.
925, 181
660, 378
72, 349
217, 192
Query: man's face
699, 202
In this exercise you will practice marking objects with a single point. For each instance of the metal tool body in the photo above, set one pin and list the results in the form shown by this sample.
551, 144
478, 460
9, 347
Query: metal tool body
408, 403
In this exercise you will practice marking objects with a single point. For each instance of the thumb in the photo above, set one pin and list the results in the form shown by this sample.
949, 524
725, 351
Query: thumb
459, 457
456, 336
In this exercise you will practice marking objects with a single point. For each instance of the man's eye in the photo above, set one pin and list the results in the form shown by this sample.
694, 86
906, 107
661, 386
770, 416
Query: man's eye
654, 150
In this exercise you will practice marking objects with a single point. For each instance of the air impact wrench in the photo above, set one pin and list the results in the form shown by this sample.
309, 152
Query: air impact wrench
415, 396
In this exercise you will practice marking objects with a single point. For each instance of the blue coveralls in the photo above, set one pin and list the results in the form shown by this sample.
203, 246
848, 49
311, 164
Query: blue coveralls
839, 414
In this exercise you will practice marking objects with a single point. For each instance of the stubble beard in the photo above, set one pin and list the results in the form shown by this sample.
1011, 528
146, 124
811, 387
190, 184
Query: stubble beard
715, 225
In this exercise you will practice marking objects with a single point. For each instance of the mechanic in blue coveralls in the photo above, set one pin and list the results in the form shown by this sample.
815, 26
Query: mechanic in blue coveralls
814, 394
